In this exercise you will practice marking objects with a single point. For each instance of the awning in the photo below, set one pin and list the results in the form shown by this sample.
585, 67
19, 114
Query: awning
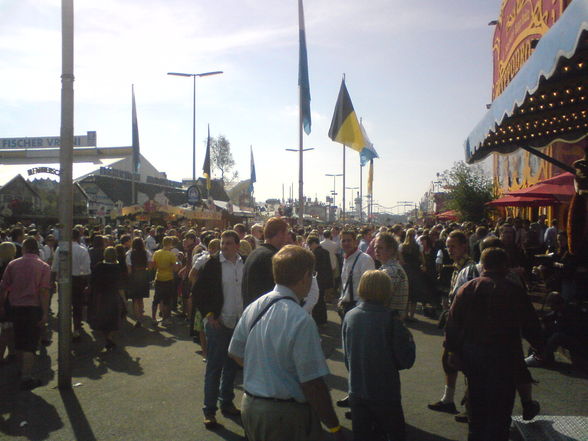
523, 201
560, 187
546, 100
448, 215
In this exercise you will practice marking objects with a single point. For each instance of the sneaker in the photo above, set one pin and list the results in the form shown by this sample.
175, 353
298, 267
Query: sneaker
30, 384
230, 410
462, 417
344, 402
534, 361
75, 334
440, 406
210, 422
109, 345
531, 409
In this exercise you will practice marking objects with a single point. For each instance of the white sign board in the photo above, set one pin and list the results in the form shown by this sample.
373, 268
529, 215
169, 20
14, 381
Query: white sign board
88, 140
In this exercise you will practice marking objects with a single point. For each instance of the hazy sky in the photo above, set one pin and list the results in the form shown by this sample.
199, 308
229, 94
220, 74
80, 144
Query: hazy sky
418, 72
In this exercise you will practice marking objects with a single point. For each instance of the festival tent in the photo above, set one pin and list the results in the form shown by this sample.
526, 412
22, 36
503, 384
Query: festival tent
523, 201
560, 187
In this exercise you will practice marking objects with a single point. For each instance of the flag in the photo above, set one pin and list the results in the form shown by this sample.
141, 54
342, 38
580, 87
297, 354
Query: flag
253, 178
206, 167
371, 178
345, 127
136, 154
303, 81
368, 152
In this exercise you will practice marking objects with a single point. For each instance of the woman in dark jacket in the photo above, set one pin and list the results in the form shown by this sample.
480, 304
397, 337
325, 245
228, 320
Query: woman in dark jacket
374, 382
108, 306
139, 263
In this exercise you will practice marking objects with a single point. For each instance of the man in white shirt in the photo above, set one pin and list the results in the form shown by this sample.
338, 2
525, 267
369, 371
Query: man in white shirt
80, 271
151, 242
355, 263
219, 298
278, 344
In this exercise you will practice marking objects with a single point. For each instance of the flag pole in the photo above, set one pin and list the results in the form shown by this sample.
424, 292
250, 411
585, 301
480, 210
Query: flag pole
360, 191
301, 164
343, 208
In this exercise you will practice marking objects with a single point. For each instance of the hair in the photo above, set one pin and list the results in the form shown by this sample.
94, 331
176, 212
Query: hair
375, 286
291, 263
240, 229
138, 253
459, 236
233, 234
389, 242
410, 238
327, 234
214, 246
121, 252
257, 227
251, 240
7, 252
244, 248
30, 245
312, 239
168, 241
98, 241
125, 238
110, 255
349, 233
190, 235
491, 242
75, 234
494, 259
15, 233
274, 226
482, 231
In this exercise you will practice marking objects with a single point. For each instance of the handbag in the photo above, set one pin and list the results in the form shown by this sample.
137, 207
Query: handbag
403, 345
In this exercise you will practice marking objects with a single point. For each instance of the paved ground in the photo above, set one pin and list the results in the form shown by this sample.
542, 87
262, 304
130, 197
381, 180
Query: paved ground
150, 388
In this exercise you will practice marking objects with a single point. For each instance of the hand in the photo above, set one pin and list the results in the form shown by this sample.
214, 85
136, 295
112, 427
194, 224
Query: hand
215, 323
43, 320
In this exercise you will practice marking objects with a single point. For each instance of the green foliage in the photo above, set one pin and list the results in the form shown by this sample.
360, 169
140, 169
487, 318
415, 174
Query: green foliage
468, 191
221, 159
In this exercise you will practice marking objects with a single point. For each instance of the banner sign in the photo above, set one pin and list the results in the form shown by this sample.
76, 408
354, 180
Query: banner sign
88, 140
521, 24
37, 170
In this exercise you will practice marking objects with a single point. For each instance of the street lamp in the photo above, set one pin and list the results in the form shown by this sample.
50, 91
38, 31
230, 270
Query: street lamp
352, 199
334, 192
194, 75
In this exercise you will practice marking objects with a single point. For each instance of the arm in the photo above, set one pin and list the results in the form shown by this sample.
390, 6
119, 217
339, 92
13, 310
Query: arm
44, 297
318, 396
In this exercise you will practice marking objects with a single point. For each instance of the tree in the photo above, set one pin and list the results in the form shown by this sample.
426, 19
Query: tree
221, 159
469, 189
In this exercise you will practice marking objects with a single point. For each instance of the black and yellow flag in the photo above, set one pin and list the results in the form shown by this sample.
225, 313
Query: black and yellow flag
345, 126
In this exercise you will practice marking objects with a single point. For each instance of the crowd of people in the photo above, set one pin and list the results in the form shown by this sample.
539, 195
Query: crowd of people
256, 298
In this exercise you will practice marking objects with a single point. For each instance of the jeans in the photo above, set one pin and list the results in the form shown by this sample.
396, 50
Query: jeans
491, 371
220, 369
377, 421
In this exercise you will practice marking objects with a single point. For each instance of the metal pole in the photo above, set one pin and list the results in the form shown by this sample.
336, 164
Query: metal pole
360, 191
301, 163
66, 192
343, 205
194, 133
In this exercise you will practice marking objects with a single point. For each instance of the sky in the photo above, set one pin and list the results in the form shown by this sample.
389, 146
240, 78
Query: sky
418, 72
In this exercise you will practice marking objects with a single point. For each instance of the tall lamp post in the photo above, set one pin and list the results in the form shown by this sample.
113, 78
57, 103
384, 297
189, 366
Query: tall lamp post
194, 75
334, 192
352, 199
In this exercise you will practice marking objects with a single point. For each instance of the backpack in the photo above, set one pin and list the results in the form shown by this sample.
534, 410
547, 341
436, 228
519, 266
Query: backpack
403, 345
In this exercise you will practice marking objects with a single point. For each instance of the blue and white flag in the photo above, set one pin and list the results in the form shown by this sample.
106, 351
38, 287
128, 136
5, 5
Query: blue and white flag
368, 152
252, 178
303, 81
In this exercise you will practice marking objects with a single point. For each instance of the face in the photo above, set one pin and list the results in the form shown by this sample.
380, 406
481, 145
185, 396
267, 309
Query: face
507, 236
257, 233
348, 243
383, 254
229, 247
456, 249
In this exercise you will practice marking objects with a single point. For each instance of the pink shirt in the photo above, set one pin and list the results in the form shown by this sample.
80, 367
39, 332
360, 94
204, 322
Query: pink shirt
24, 278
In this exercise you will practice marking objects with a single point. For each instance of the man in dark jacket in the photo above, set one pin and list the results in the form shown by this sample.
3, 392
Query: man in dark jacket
257, 273
483, 338
324, 277
218, 294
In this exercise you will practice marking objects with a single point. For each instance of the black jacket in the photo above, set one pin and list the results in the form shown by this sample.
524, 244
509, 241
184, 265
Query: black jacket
208, 289
258, 278
323, 268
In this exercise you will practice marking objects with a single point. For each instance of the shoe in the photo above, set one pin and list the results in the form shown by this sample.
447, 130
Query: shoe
137, 324
210, 422
462, 417
109, 345
531, 409
344, 402
230, 410
534, 361
30, 384
440, 406
348, 415
75, 334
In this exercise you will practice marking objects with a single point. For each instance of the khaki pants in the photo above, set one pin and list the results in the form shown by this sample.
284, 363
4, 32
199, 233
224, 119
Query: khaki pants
267, 420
